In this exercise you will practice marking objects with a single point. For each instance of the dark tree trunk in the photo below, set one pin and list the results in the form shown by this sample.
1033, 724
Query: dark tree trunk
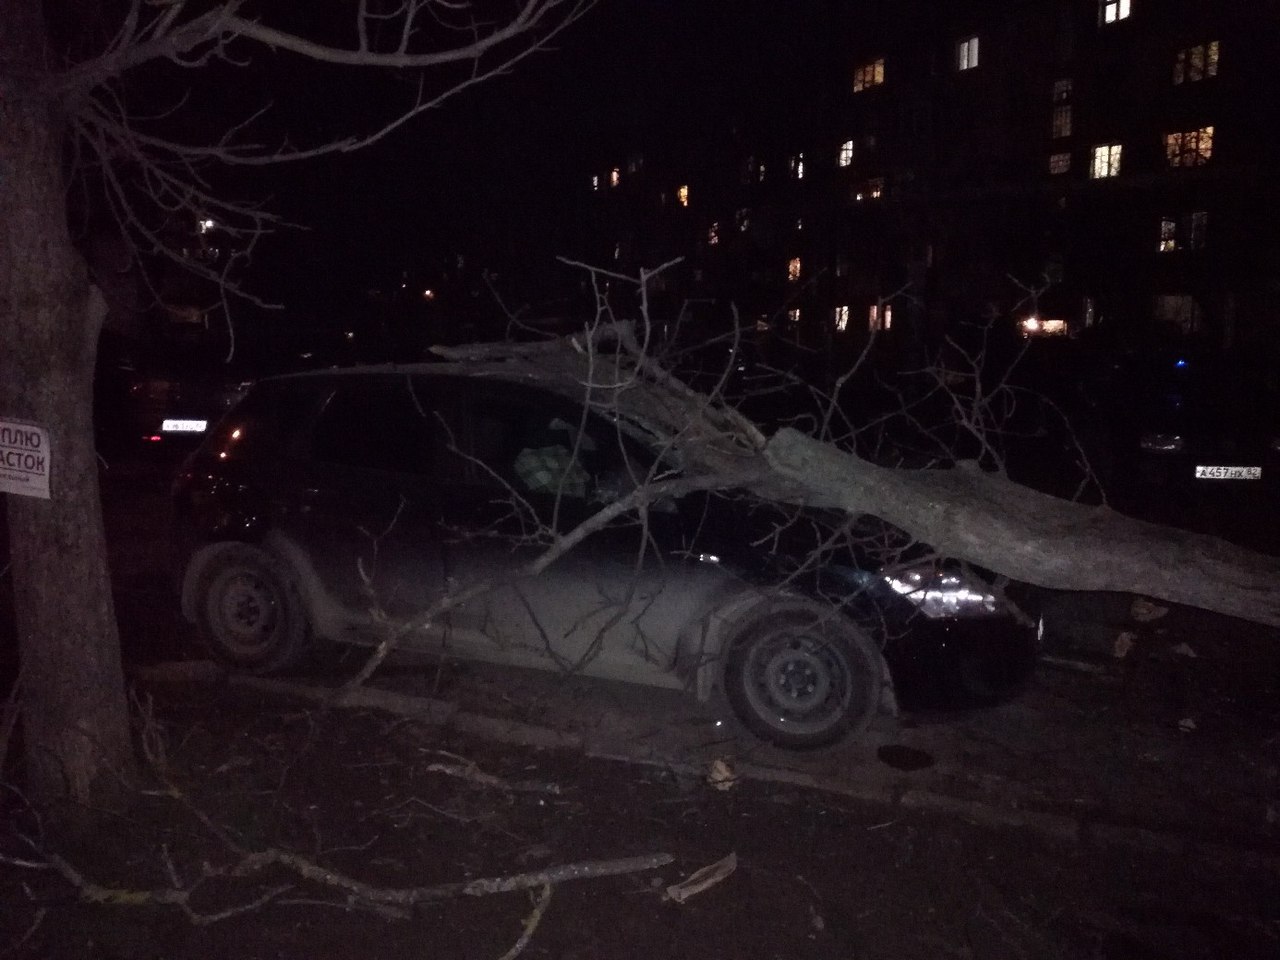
74, 715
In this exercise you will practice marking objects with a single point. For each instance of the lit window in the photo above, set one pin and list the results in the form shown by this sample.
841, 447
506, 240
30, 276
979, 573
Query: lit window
797, 166
1062, 121
1109, 11
1037, 326
1187, 234
743, 220
615, 176
799, 224
205, 225
967, 53
595, 182
793, 268
841, 316
1062, 90
868, 75
880, 317
1191, 148
846, 153
1196, 63
713, 234
1059, 163
1106, 161
682, 195
793, 315
875, 188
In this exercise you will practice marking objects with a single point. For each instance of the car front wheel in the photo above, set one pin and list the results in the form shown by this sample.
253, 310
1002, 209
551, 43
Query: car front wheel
249, 613
803, 679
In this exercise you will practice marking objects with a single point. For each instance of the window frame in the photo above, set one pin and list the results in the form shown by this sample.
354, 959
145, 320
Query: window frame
1113, 157
1061, 121
868, 75
1189, 148
1113, 11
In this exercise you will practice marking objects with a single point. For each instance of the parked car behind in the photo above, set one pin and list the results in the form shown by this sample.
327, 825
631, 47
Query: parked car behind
1196, 443
337, 505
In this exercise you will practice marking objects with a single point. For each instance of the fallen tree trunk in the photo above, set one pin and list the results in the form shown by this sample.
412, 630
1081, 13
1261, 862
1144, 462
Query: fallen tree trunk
965, 513
1025, 535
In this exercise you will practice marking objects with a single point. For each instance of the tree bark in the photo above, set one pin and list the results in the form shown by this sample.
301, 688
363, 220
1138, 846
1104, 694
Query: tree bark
1030, 536
963, 513
74, 715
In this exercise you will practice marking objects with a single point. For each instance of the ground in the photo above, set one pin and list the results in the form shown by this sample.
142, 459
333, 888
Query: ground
1124, 806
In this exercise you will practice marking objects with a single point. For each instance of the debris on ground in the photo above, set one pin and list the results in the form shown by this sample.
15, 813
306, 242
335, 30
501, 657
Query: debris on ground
703, 879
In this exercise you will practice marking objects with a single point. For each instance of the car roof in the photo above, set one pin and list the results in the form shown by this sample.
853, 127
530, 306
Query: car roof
547, 377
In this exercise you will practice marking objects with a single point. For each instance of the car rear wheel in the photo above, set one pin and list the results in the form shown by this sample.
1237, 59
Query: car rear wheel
249, 613
803, 679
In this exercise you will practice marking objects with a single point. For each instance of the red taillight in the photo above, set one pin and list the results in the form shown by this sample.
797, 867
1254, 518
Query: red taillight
153, 438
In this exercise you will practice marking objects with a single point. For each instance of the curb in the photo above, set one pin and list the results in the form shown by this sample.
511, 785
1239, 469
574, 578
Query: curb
887, 790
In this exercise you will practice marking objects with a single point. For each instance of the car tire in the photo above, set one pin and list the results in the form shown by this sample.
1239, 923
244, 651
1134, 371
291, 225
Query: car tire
803, 678
249, 613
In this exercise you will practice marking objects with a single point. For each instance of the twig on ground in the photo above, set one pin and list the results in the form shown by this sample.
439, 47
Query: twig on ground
358, 893
702, 879
27, 934
468, 770
530, 924
485, 886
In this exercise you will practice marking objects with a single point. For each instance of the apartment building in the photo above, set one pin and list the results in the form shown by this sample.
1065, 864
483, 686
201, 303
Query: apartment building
1056, 165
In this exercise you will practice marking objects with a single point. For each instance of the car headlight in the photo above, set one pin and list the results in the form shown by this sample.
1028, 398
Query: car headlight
943, 593
1161, 443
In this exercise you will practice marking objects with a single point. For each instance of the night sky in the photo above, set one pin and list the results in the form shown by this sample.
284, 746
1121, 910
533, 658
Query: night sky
494, 172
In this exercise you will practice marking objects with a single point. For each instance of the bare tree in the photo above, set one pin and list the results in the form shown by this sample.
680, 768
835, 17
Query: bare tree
971, 512
812, 480
66, 121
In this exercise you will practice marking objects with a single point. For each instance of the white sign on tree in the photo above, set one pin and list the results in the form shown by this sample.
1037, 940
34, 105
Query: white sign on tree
24, 459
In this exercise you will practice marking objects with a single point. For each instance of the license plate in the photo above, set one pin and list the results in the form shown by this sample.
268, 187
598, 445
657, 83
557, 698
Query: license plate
184, 426
1228, 473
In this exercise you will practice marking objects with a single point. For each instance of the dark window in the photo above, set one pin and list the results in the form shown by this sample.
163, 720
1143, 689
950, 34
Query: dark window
376, 425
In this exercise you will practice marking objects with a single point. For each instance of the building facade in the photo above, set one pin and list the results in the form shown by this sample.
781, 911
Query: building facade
1058, 166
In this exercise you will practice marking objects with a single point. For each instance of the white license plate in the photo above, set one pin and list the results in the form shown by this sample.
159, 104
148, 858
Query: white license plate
1228, 473
184, 426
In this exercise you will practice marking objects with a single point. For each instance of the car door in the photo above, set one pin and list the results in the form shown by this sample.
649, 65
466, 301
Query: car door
531, 467
365, 508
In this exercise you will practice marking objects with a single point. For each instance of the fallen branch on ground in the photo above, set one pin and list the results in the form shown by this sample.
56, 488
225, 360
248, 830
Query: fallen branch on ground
358, 893
530, 924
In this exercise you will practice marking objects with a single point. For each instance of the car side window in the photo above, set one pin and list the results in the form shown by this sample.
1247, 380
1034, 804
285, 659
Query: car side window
374, 425
537, 445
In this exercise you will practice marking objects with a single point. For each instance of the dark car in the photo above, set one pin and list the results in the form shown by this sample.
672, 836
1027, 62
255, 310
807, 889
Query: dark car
341, 505
164, 416
1197, 442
